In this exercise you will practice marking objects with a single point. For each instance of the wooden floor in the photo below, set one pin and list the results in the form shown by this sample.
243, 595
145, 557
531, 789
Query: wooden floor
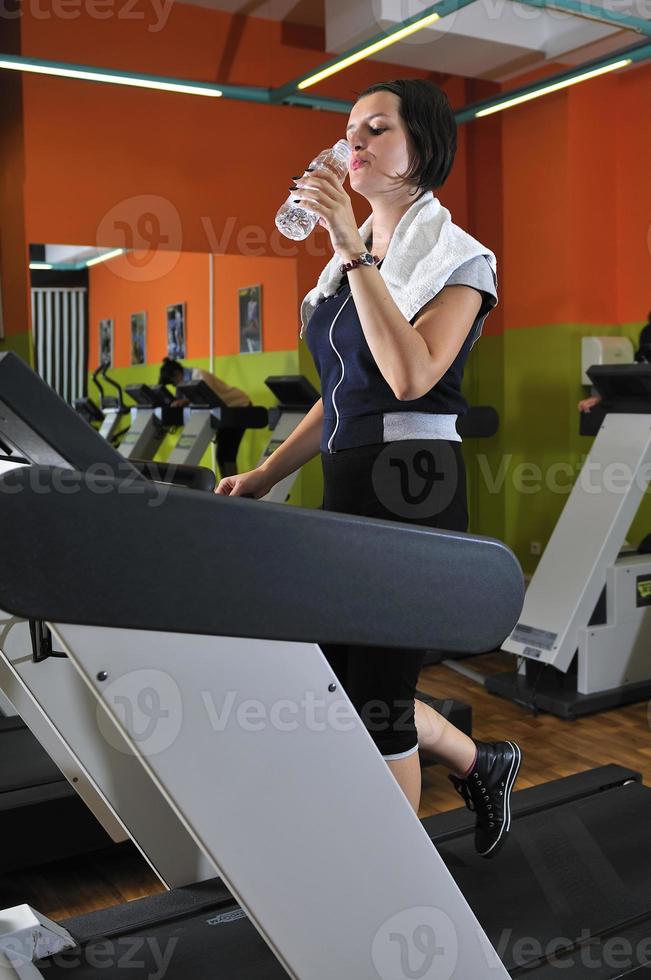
551, 748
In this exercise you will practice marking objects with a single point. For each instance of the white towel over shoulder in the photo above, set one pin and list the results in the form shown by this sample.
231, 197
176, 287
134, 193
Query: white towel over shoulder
425, 249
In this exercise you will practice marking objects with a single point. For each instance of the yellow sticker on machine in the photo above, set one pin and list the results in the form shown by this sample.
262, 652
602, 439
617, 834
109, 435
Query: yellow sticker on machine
644, 590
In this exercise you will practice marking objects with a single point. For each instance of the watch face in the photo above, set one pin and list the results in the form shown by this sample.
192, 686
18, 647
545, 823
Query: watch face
366, 258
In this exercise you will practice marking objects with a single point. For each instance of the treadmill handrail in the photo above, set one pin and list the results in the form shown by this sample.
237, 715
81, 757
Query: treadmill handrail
96, 373
122, 410
322, 577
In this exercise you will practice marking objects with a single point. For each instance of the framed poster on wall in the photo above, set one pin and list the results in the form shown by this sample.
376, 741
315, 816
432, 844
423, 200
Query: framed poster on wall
138, 338
176, 331
250, 309
106, 342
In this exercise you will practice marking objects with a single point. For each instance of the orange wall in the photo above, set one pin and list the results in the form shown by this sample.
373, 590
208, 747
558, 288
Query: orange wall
114, 293
280, 323
631, 130
558, 188
217, 167
577, 204
14, 293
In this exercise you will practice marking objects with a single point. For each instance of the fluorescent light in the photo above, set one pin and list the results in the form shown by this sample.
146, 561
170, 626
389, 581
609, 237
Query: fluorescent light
370, 49
40, 265
553, 88
87, 75
105, 257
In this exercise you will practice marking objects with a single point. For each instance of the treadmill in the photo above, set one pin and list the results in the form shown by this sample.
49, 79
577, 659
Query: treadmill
205, 416
310, 884
42, 785
42, 782
295, 396
582, 642
151, 417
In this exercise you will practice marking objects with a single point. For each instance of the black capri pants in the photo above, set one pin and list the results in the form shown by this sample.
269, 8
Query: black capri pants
417, 482
228, 443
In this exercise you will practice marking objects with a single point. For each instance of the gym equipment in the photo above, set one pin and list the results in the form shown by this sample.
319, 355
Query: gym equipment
309, 861
333, 888
479, 422
111, 410
604, 350
207, 414
42, 784
151, 417
37, 427
296, 396
585, 631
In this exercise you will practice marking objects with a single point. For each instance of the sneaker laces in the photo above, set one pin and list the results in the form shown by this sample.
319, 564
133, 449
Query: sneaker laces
480, 801
461, 787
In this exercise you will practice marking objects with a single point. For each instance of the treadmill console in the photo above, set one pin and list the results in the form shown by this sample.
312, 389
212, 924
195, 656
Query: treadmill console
292, 391
146, 396
622, 385
200, 395
624, 388
88, 410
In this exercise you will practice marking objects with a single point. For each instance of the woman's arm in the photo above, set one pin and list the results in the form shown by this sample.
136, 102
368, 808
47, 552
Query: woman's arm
412, 359
298, 448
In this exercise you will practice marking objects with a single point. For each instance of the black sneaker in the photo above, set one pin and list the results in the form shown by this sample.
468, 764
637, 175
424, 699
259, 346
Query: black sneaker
487, 792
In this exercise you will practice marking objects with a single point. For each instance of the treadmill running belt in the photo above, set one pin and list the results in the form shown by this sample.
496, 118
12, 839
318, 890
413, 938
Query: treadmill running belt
196, 932
567, 874
574, 871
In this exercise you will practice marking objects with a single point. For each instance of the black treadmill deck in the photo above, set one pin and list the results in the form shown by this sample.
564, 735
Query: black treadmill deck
575, 877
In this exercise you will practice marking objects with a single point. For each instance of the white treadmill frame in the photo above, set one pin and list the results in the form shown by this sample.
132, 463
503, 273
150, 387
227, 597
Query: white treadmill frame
581, 558
334, 888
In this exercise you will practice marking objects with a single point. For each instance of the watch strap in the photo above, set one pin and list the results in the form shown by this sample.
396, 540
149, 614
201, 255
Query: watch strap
362, 259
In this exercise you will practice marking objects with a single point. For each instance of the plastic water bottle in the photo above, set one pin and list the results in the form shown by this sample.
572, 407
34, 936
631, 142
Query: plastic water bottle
296, 221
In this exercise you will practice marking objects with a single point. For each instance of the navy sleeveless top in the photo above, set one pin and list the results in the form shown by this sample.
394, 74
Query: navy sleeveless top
356, 396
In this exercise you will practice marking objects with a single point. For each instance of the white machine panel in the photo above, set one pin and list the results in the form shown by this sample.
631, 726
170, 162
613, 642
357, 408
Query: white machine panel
572, 572
277, 779
604, 350
63, 714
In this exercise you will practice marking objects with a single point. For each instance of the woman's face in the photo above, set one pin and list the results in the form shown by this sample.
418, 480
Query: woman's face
378, 137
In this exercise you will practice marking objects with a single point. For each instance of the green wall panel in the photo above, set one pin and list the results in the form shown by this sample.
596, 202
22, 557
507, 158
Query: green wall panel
21, 344
520, 479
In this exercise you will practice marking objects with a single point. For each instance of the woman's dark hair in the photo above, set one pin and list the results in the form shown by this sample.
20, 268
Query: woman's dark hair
168, 371
432, 127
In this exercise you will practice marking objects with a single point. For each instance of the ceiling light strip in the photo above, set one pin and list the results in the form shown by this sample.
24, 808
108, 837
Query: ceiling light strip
104, 258
371, 46
110, 76
554, 83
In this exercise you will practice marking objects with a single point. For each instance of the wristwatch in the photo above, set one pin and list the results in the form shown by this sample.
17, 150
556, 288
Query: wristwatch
364, 259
